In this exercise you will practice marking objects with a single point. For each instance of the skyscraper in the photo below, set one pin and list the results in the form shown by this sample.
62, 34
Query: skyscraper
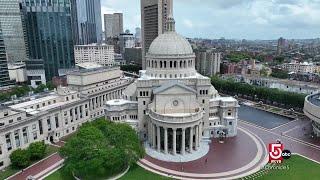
4, 73
87, 25
12, 29
138, 36
49, 34
281, 45
113, 25
154, 14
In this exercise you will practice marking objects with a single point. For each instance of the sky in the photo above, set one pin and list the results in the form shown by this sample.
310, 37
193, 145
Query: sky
233, 19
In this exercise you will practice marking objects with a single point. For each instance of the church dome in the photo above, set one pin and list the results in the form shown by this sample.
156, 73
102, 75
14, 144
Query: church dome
170, 43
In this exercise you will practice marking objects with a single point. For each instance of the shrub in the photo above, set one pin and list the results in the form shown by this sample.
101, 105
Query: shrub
20, 158
37, 150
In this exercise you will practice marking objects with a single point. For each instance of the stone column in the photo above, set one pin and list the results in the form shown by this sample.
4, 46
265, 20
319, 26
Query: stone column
13, 142
73, 114
158, 138
78, 109
191, 140
197, 137
166, 140
174, 140
183, 146
154, 136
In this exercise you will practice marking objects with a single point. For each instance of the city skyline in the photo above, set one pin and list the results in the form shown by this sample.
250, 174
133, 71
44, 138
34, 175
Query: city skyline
240, 19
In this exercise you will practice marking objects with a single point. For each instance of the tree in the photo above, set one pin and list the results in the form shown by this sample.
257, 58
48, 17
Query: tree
101, 149
37, 150
20, 158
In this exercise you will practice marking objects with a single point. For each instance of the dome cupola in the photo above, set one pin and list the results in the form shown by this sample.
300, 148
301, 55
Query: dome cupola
170, 55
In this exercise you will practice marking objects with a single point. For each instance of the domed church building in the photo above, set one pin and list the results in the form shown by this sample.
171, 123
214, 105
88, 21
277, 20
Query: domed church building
173, 108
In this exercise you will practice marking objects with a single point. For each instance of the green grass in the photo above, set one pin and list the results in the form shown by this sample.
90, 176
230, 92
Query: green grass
137, 172
299, 168
51, 149
11, 170
8, 171
58, 175
134, 173
275, 109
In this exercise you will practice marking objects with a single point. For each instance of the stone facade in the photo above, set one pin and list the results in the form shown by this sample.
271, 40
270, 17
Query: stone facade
312, 110
50, 116
172, 106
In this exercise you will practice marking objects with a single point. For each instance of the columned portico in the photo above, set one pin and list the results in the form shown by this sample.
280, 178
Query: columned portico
174, 140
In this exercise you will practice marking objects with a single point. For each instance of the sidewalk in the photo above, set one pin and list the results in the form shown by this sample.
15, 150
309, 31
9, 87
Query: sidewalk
37, 168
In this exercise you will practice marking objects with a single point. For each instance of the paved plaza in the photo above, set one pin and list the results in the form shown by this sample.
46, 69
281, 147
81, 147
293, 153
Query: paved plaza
237, 157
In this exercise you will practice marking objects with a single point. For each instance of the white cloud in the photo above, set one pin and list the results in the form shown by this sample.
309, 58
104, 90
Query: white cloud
188, 23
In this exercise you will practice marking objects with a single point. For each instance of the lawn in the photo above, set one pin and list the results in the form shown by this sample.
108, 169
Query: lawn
10, 170
299, 168
58, 175
135, 172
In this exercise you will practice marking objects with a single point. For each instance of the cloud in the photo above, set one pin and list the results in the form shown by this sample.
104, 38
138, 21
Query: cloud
250, 19
188, 23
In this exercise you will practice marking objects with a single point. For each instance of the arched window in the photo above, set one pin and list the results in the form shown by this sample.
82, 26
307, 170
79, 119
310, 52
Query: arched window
156, 64
175, 64
180, 64
160, 64
165, 64
170, 64
152, 64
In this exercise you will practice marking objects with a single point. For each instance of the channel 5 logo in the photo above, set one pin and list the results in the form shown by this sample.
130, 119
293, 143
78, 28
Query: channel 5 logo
277, 153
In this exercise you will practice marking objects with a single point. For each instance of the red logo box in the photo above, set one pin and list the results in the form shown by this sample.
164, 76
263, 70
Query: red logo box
275, 153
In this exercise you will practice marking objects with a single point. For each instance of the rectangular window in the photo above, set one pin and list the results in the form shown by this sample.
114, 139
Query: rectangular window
40, 126
57, 121
8, 142
49, 124
17, 138
35, 135
25, 135
230, 123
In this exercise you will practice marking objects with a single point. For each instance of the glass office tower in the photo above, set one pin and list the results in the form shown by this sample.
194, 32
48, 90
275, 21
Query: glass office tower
49, 33
4, 73
87, 24
13, 31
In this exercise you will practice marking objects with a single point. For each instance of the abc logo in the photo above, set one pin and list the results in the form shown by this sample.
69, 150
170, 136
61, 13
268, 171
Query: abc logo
286, 154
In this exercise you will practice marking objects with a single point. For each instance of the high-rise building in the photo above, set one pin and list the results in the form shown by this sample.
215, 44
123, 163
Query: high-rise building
4, 73
137, 36
49, 34
126, 40
154, 15
94, 53
87, 25
281, 45
208, 62
113, 25
13, 31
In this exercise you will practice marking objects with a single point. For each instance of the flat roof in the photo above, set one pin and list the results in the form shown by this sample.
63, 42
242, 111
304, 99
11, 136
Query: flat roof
119, 102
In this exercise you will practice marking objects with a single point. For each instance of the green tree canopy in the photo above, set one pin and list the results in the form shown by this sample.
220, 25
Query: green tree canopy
37, 150
101, 149
20, 158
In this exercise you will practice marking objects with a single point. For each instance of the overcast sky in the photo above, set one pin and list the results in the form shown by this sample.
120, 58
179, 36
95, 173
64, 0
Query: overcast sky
239, 19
